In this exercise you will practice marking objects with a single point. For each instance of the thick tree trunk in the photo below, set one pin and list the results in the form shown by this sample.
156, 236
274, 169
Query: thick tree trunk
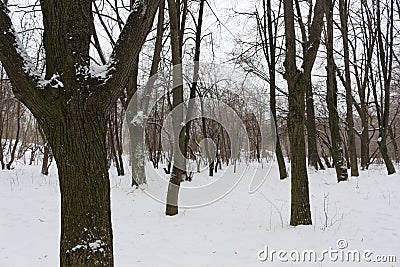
300, 203
79, 147
72, 105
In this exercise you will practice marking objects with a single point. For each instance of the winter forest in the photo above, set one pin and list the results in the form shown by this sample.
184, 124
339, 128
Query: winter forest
199, 133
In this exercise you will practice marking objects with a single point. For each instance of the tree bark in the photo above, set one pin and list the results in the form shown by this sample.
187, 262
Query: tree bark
77, 141
331, 98
313, 157
196, 71
45, 163
137, 149
135, 102
392, 134
385, 57
72, 105
272, 87
14, 148
300, 202
351, 142
177, 95
3, 165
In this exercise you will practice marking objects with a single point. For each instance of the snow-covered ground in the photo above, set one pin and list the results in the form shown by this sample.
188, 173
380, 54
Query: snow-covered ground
362, 214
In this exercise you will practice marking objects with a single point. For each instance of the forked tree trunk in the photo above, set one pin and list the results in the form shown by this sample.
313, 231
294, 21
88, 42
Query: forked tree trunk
72, 105
295, 78
313, 159
300, 202
79, 147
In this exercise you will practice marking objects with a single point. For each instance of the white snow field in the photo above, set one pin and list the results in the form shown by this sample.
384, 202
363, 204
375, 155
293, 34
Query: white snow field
361, 215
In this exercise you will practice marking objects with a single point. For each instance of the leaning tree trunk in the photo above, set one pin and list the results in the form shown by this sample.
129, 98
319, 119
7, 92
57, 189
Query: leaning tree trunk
14, 148
79, 147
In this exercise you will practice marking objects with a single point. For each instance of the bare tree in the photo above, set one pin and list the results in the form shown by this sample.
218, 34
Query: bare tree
300, 203
270, 25
72, 104
385, 59
351, 142
177, 91
313, 158
331, 98
361, 65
